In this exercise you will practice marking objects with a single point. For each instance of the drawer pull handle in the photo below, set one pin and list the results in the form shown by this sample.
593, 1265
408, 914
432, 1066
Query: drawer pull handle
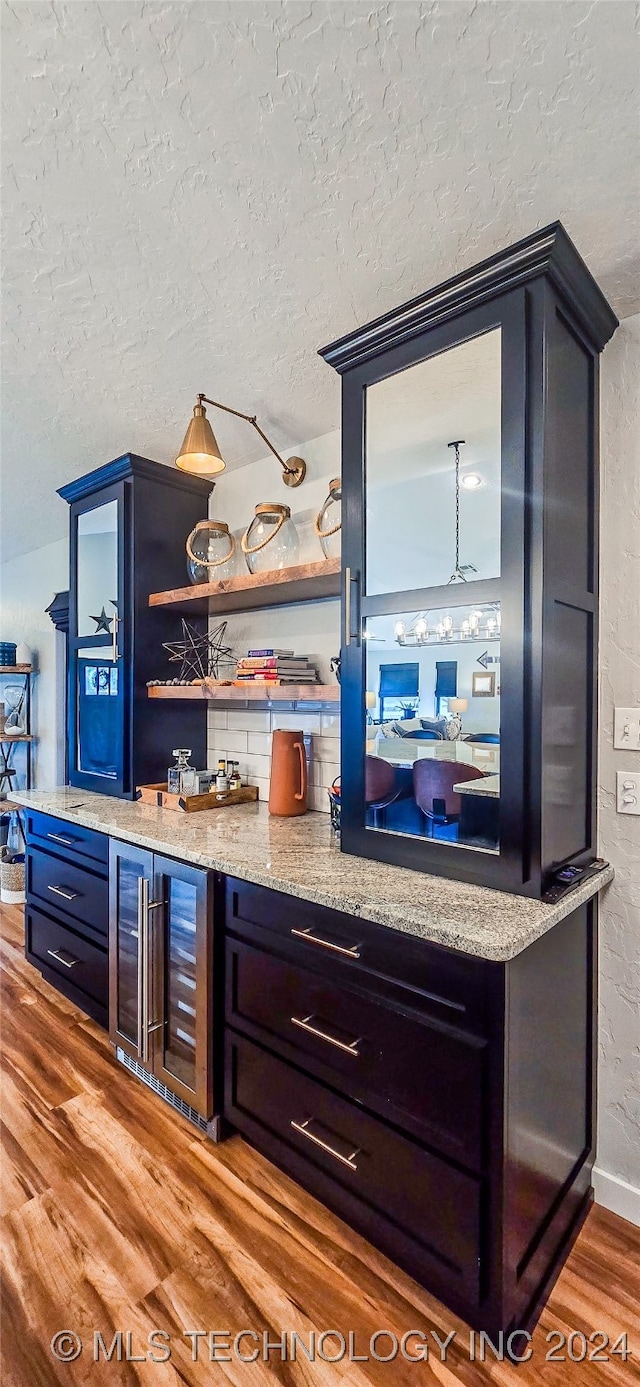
304, 1130
59, 838
63, 957
353, 952
304, 1022
66, 895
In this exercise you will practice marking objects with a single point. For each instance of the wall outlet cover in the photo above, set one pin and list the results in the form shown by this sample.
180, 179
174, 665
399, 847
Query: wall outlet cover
628, 792
626, 729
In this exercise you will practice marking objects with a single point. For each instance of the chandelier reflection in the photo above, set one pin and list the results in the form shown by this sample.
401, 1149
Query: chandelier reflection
477, 623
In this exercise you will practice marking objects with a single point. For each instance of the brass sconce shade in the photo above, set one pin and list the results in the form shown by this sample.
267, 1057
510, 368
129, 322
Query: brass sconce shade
200, 453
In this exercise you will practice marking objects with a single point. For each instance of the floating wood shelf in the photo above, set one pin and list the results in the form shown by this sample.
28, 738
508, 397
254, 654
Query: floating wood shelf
16, 669
16, 737
258, 693
277, 588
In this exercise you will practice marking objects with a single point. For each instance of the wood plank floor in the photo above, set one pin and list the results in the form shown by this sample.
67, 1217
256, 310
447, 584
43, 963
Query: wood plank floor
117, 1215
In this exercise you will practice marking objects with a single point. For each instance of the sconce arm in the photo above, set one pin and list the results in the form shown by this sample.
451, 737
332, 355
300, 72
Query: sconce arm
293, 474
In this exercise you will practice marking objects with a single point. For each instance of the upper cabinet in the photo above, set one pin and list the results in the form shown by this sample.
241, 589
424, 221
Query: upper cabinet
469, 543
129, 522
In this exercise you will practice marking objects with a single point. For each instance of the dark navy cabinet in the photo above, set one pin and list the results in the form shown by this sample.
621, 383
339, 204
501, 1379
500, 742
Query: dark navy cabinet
67, 910
442, 1104
129, 523
469, 545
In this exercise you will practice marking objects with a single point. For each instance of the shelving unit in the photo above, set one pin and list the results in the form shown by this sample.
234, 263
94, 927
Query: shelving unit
277, 588
8, 740
261, 693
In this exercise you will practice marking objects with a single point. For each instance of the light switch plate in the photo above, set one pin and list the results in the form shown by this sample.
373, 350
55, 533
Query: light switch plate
626, 729
628, 792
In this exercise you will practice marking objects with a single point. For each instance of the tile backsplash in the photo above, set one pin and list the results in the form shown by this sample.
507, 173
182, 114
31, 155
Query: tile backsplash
245, 736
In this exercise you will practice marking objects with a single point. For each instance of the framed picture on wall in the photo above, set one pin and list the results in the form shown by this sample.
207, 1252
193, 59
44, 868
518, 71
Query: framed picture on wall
483, 685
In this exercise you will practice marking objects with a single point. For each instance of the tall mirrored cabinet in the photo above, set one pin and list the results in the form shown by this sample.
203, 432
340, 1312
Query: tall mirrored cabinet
128, 524
470, 561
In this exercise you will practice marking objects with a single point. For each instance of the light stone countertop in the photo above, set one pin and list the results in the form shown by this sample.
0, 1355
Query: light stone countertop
299, 857
489, 786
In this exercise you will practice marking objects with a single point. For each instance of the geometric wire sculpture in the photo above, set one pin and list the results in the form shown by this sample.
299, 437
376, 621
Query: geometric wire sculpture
200, 653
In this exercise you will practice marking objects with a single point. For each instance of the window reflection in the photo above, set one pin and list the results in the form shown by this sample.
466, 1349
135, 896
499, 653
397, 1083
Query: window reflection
432, 724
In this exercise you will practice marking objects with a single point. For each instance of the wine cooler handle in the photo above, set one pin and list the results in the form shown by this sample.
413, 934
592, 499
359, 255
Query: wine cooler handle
143, 894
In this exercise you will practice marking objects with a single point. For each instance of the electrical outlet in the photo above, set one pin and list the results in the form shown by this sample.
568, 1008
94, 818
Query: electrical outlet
626, 729
628, 792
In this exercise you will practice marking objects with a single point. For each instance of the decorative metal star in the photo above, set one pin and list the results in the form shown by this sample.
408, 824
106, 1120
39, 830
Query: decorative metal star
102, 622
200, 653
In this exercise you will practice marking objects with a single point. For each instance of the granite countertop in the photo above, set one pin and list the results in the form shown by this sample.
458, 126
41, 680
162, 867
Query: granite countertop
489, 786
299, 857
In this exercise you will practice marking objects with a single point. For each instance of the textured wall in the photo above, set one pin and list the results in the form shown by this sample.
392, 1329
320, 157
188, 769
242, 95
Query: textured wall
28, 584
197, 195
619, 1032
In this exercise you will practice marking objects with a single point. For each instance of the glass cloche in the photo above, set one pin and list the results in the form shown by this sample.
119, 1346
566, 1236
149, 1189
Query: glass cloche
328, 522
271, 540
211, 552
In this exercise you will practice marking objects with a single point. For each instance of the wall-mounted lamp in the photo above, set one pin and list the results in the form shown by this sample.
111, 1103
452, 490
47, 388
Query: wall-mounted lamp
201, 455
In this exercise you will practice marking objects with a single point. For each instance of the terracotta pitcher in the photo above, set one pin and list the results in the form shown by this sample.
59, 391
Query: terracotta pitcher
288, 784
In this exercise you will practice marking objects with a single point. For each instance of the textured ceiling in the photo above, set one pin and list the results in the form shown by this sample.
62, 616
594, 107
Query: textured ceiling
197, 196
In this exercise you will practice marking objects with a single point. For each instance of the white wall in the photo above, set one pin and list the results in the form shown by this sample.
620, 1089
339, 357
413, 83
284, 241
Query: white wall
311, 629
27, 585
617, 1179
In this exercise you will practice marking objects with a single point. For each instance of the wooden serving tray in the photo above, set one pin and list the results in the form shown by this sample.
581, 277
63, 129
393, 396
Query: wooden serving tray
189, 804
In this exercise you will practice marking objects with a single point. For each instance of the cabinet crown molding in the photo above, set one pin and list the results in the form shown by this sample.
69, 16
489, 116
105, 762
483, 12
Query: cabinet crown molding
548, 252
131, 465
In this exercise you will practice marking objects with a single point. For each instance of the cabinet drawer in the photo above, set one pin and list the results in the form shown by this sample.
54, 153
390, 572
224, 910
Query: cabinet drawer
422, 1075
79, 892
452, 987
422, 1210
58, 835
74, 960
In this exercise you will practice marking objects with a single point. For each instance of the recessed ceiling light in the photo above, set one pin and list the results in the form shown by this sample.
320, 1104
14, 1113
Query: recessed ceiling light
471, 481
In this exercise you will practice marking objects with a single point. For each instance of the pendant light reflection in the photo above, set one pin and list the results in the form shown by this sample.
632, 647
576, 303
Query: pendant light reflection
477, 624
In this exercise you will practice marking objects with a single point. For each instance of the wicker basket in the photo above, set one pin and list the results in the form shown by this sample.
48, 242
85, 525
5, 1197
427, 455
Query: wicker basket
12, 883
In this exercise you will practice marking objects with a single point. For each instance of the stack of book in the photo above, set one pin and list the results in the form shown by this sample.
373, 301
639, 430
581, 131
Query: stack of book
275, 667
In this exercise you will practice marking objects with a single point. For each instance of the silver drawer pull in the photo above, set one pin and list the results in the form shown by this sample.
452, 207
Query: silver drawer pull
58, 838
304, 1022
63, 957
353, 952
66, 895
304, 1130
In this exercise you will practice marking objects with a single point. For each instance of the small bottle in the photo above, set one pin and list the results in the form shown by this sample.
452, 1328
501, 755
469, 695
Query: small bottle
222, 780
235, 781
174, 773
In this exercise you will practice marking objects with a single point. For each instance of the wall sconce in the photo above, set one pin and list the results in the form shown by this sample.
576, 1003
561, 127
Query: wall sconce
201, 455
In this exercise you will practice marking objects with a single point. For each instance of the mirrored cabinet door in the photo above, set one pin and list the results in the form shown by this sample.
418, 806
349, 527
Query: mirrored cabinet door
430, 552
433, 470
431, 626
97, 588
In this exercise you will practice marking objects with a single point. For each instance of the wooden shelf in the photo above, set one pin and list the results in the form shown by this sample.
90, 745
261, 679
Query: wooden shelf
261, 693
279, 587
16, 669
18, 737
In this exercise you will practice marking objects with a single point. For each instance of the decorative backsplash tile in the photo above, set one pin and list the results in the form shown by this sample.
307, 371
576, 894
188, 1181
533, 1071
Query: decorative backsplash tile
244, 735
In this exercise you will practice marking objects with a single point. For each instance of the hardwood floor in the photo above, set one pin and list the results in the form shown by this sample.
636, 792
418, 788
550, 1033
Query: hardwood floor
118, 1216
